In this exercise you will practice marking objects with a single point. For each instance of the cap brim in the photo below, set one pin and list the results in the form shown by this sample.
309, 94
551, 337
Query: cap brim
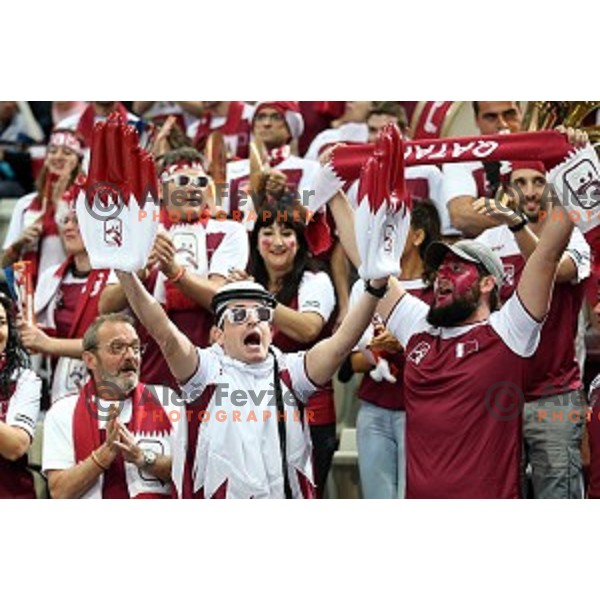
436, 252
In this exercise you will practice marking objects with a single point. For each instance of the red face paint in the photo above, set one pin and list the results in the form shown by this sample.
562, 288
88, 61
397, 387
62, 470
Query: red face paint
290, 243
275, 241
455, 278
265, 243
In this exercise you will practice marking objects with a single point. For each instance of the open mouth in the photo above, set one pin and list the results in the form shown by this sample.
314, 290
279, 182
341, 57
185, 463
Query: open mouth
252, 340
532, 206
443, 292
128, 370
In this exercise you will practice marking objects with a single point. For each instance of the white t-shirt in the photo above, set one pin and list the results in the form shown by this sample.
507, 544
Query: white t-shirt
502, 241
23, 407
238, 173
515, 326
59, 449
426, 181
238, 440
458, 180
316, 294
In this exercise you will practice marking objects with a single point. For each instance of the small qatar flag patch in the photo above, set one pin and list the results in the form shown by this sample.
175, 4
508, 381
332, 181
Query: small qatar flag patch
465, 348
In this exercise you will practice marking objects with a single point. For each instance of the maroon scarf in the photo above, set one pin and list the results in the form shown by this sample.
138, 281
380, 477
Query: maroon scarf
548, 147
346, 162
87, 308
147, 417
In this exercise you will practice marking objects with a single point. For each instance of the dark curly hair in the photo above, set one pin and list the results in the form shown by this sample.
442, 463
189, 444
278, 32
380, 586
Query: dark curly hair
16, 355
287, 214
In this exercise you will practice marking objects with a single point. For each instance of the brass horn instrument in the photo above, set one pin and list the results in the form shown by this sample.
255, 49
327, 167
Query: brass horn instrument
548, 114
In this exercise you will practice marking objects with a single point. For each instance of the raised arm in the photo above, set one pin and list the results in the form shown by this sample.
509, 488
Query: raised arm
526, 239
465, 218
323, 360
177, 349
537, 282
112, 299
343, 215
35, 340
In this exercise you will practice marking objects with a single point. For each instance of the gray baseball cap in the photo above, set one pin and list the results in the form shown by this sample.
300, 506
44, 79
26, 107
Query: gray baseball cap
470, 250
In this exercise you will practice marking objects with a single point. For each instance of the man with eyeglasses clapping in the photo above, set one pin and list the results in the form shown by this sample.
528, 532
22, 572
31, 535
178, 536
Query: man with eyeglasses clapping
113, 438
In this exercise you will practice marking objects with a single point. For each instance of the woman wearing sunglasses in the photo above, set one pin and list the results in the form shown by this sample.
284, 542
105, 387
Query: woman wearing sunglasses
305, 312
20, 391
33, 231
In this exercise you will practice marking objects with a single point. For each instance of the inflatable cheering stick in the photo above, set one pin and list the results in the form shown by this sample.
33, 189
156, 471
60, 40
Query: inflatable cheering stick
115, 205
383, 212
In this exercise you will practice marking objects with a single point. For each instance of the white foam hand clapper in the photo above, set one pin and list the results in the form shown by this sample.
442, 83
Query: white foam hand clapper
382, 218
576, 180
382, 372
118, 229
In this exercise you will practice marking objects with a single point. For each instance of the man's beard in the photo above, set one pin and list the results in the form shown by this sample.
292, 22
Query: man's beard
114, 381
456, 312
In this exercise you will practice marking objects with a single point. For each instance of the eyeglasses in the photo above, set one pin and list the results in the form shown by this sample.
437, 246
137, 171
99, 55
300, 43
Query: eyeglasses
117, 348
275, 117
241, 314
182, 180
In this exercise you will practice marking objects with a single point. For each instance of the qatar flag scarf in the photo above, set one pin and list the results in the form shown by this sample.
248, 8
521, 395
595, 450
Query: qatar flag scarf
87, 308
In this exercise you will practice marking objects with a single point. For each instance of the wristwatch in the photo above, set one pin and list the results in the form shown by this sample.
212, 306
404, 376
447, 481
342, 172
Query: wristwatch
520, 225
377, 292
149, 458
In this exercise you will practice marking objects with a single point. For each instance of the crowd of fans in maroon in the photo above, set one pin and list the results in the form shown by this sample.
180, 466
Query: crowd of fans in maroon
246, 171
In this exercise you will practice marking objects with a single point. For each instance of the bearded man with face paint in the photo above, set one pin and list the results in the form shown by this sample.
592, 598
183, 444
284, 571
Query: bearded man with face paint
466, 364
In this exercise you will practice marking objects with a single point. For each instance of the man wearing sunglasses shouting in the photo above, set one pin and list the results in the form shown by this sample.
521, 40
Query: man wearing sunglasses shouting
245, 433
191, 258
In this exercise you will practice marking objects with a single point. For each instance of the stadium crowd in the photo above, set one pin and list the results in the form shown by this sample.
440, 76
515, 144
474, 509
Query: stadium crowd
218, 368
